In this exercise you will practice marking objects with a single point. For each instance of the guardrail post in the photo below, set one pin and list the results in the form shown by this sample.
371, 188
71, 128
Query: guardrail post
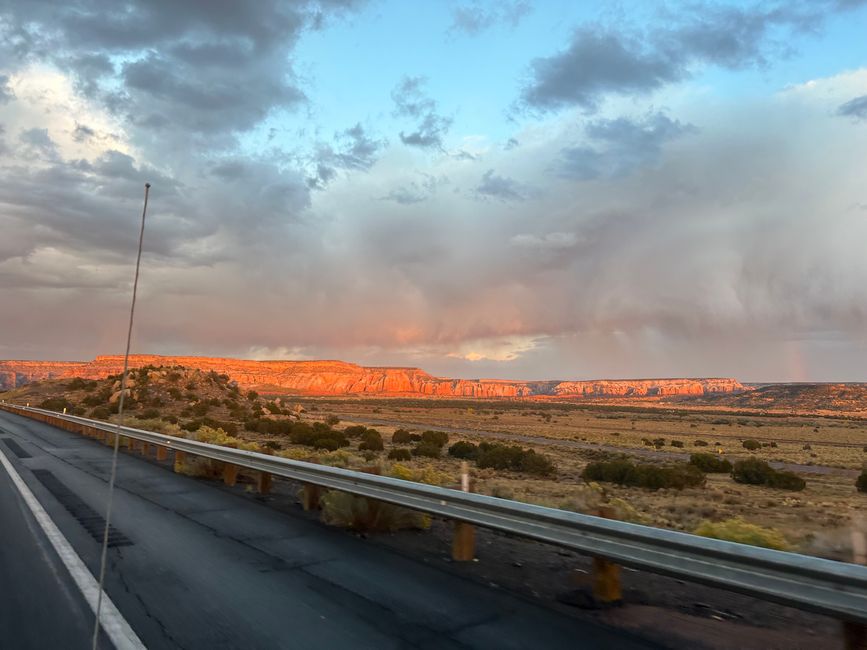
162, 453
464, 542
180, 459
310, 497
607, 589
230, 474
263, 482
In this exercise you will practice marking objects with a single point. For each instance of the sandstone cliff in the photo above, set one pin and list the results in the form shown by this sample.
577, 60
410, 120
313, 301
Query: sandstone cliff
341, 378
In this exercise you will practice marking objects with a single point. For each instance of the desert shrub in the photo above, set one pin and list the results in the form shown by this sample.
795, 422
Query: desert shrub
368, 515
252, 395
787, 481
401, 437
738, 530
371, 441
271, 427
710, 463
752, 471
200, 409
332, 420
175, 393
56, 404
659, 443
700, 443
427, 449
192, 425
647, 442
100, 413
464, 449
506, 457
80, 384
502, 492
438, 438
677, 443
807, 447
427, 475
78, 410
273, 407
653, 477
861, 482
751, 445
150, 414
415, 437
497, 456
318, 436
97, 399
399, 454
537, 464
171, 419
355, 431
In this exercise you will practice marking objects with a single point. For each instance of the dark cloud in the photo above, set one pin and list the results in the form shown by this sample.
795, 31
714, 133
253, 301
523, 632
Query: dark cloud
197, 67
37, 143
82, 133
416, 191
856, 108
502, 188
599, 60
595, 63
353, 150
6, 93
474, 18
411, 101
619, 146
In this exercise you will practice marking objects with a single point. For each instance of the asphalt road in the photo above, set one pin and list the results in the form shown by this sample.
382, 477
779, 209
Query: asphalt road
203, 566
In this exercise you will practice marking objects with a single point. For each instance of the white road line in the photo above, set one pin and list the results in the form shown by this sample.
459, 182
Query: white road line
113, 623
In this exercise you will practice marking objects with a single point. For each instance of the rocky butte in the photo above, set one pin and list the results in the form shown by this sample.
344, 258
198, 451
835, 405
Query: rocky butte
341, 378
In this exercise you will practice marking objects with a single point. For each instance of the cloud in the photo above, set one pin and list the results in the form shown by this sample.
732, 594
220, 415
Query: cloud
6, 93
353, 150
411, 101
416, 191
856, 108
502, 188
473, 18
600, 60
619, 146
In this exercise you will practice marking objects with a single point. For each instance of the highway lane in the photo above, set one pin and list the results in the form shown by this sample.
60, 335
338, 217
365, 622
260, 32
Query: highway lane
40, 605
207, 567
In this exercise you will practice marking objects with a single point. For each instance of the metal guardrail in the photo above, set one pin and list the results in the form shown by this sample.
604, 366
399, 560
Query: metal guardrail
825, 586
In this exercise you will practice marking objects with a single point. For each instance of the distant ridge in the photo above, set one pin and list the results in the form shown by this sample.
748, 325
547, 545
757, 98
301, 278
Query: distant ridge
332, 377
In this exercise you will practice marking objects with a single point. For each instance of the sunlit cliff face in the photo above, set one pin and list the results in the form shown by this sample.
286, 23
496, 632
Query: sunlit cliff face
547, 193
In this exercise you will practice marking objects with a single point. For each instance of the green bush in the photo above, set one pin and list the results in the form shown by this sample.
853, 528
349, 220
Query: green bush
464, 449
438, 438
401, 437
318, 436
371, 441
506, 457
787, 481
752, 445
200, 409
271, 427
56, 404
355, 431
537, 464
659, 443
252, 395
427, 449
710, 463
100, 413
653, 477
368, 515
677, 443
700, 443
332, 420
753, 471
861, 482
399, 454
738, 530
149, 414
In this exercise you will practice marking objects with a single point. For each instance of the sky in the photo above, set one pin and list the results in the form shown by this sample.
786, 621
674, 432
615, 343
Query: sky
513, 189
